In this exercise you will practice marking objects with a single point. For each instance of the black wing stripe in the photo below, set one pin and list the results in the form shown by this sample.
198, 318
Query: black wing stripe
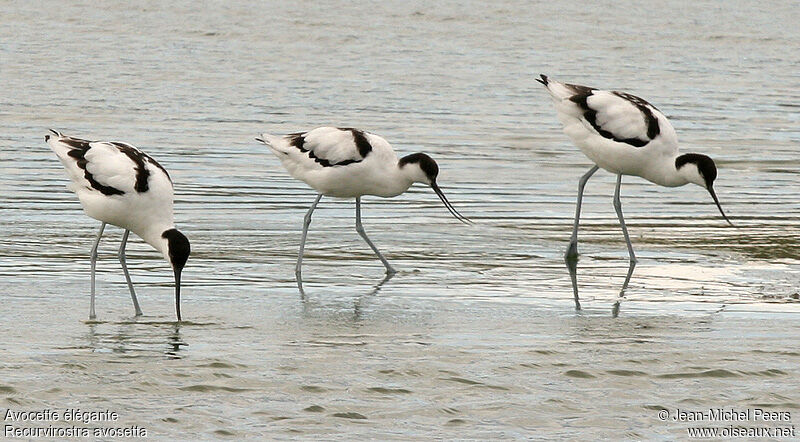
155, 163
78, 151
652, 122
591, 117
582, 95
298, 140
138, 158
76, 143
364, 148
580, 90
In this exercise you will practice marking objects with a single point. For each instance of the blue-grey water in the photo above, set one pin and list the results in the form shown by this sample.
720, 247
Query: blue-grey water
476, 336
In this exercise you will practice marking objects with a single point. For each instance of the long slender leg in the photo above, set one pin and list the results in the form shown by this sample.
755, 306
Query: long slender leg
125, 270
306, 223
360, 229
631, 255
571, 256
94, 265
572, 250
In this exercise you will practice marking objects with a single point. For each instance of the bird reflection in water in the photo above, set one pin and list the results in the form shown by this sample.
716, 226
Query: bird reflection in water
175, 342
129, 339
359, 301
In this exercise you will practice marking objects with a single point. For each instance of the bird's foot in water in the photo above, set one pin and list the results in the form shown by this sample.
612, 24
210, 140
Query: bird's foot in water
571, 255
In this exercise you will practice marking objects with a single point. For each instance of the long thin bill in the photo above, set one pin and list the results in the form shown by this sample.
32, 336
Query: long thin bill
178, 293
714, 195
449, 206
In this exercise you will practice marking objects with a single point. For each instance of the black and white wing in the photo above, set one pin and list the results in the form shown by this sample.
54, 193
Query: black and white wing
107, 167
323, 146
616, 116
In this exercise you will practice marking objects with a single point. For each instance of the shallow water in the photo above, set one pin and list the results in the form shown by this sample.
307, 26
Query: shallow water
466, 341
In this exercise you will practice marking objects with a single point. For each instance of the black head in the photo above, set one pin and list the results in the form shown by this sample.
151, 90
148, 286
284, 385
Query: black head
701, 170
429, 170
704, 164
425, 163
178, 249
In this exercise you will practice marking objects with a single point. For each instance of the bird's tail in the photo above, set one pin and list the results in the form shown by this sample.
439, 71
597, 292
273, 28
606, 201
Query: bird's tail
71, 151
559, 91
267, 139
276, 143
53, 137
62, 144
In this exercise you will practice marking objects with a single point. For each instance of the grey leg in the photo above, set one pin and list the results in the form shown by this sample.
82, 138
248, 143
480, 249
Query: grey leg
303, 296
360, 229
571, 256
306, 223
572, 250
94, 265
125, 270
631, 255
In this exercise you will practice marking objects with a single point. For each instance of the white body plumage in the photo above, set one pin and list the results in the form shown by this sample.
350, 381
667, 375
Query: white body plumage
626, 135
343, 163
146, 213
350, 163
119, 184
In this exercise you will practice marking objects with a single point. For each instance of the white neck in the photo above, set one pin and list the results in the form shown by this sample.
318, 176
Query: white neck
664, 173
394, 181
153, 237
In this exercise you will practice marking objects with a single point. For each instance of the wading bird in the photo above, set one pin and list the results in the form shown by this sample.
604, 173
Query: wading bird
350, 163
118, 184
624, 135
